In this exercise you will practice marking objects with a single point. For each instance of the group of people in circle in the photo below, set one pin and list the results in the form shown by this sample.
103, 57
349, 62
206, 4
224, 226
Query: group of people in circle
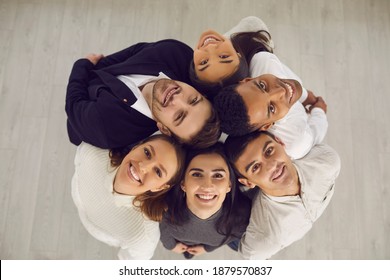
198, 148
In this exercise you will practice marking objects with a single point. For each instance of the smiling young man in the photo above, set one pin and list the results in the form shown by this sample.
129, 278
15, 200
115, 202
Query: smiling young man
293, 194
120, 99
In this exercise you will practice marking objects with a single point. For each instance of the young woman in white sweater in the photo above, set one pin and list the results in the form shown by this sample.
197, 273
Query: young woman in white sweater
119, 194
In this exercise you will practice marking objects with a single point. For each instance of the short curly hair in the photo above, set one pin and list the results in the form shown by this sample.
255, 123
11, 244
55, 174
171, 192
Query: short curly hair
232, 112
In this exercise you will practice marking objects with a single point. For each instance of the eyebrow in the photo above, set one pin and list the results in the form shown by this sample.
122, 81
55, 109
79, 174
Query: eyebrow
252, 162
259, 87
222, 61
214, 170
154, 154
186, 113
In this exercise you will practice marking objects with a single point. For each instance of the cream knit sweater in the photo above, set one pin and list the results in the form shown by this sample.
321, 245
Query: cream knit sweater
108, 216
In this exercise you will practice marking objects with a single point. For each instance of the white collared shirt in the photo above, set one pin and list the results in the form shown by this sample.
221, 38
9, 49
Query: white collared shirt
133, 82
298, 130
276, 222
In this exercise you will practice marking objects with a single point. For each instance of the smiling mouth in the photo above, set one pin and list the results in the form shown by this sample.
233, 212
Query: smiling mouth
206, 197
278, 173
133, 174
169, 92
290, 91
210, 40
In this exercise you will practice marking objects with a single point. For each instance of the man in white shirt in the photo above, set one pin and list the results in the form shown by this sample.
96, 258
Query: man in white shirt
293, 194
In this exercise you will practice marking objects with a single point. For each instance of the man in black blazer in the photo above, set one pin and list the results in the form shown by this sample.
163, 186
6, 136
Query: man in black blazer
120, 99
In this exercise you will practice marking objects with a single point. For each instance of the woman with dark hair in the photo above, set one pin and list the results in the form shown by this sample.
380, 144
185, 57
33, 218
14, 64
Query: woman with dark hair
223, 60
206, 210
120, 194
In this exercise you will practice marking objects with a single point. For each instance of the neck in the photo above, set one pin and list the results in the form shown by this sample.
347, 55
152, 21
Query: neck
147, 92
202, 214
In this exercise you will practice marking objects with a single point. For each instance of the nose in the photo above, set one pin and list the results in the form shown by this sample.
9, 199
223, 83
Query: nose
207, 183
146, 166
280, 98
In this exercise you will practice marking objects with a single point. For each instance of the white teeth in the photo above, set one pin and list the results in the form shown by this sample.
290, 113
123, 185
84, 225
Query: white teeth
290, 90
169, 95
133, 173
206, 196
209, 39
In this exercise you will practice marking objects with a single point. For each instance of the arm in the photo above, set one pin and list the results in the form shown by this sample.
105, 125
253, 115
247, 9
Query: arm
166, 238
318, 121
83, 113
248, 24
120, 56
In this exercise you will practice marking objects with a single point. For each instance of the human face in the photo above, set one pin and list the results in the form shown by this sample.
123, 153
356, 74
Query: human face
148, 166
206, 184
264, 163
215, 57
179, 109
268, 98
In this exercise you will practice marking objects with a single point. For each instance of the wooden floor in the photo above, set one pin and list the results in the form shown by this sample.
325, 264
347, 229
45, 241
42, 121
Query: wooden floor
340, 48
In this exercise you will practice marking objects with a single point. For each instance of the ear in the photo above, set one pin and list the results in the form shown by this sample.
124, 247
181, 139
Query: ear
164, 130
266, 126
246, 80
163, 187
182, 186
246, 182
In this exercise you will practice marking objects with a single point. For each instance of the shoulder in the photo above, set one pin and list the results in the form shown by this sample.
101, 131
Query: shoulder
322, 160
172, 43
88, 154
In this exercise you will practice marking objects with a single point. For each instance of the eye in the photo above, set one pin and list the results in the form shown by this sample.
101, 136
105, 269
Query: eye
269, 151
179, 116
158, 172
262, 85
218, 175
223, 56
196, 174
272, 108
147, 153
193, 101
255, 167
204, 62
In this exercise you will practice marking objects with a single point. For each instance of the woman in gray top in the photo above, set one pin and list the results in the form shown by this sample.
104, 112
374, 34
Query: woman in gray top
206, 210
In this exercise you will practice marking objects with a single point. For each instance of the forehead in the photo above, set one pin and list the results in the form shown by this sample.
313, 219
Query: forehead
208, 161
164, 152
256, 102
217, 71
194, 121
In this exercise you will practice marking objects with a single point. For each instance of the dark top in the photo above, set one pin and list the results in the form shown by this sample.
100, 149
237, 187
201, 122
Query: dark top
98, 103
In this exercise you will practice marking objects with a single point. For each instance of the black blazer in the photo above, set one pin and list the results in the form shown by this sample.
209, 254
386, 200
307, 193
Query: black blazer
98, 104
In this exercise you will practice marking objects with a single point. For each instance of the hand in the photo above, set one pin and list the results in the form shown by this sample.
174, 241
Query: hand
94, 58
196, 250
180, 248
310, 99
319, 104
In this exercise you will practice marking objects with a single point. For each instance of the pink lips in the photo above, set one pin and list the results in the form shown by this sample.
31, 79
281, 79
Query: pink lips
168, 93
278, 173
133, 173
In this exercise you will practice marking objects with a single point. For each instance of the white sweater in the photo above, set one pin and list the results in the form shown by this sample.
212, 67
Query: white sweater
108, 216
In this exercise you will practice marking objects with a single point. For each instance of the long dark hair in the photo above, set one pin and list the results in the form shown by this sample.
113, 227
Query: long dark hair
152, 204
247, 44
235, 208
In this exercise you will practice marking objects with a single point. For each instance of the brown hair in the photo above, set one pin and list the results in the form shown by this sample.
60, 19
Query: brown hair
152, 204
207, 136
